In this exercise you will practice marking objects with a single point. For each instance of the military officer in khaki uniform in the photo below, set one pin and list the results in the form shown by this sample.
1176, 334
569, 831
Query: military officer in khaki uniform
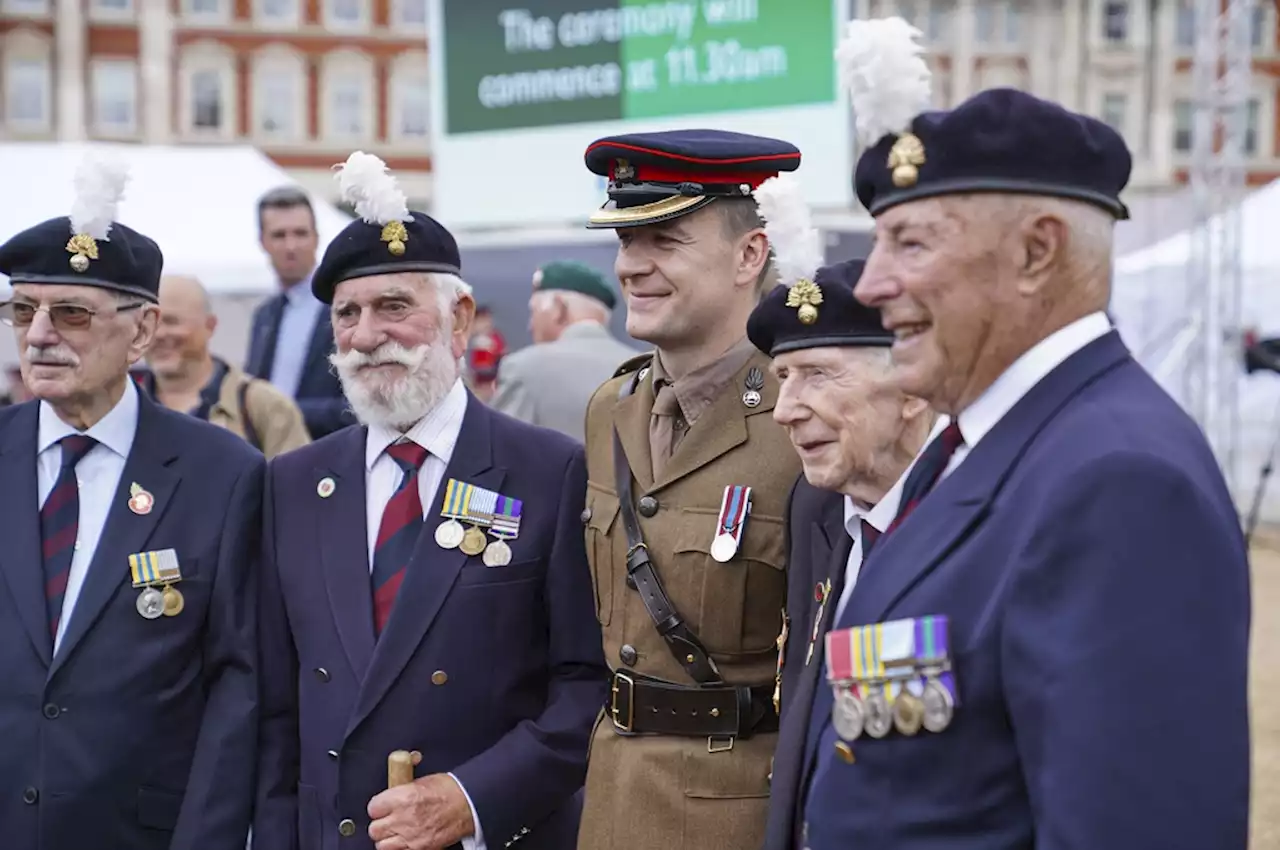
688, 479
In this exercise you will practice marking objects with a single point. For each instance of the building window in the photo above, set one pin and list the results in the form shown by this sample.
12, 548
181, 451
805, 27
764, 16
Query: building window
1115, 20
411, 13
207, 108
1258, 26
1186, 33
347, 93
24, 7
1013, 22
112, 8
28, 93
1252, 114
1114, 107
277, 12
277, 98
1184, 117
345, 14
412, 105
984, 23
203, 8
939, 19
115, 96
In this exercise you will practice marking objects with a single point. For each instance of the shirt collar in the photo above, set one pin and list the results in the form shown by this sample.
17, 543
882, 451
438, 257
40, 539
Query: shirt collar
437, 432
115, 430
882, 513
697, 390
300, 293
977, 420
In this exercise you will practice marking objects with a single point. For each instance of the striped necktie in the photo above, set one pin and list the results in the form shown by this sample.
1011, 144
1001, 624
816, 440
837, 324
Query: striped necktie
60, 526
927, 471
398, 533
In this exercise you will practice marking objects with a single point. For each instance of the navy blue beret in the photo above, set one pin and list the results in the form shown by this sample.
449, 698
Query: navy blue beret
817, 314
1001, 140
654, 177
126, 261
363, 250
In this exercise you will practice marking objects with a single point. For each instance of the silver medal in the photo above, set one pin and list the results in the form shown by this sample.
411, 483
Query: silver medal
879, 717
939, 706
847, 715
449, 534
497, 554
150, 603
724, 547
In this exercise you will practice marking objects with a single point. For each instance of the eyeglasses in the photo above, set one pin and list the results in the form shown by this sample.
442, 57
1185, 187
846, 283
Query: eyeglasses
65, 317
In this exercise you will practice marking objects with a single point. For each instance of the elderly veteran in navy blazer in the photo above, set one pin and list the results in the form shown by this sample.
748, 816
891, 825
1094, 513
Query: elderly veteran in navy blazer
425, 583
857, 434
128, 682
1064, 595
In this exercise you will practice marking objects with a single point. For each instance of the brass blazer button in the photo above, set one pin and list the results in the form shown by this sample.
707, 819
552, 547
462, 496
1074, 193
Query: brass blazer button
439, 677
346, 827
628, 655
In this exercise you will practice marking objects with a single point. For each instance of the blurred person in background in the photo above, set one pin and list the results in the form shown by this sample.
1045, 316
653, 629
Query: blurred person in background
550, 382
485, 349
15, 391
186, 377
291, 337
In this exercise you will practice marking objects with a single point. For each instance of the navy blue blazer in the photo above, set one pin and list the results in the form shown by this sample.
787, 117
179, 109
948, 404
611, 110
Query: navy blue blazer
1092, 565
319, 394
495, 674
818, 549
138, 733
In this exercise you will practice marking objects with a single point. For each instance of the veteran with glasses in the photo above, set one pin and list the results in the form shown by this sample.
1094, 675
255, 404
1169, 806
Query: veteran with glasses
128, 684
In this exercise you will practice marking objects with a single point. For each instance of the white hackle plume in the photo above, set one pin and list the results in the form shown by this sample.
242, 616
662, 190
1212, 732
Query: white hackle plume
883, 69
366, 184
796, 243
99, 186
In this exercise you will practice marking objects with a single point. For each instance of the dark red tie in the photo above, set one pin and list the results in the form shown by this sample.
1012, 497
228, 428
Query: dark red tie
398, 533
60, 526
927, 471
870, 534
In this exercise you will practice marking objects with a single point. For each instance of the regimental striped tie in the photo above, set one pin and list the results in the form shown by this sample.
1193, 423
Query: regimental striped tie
398, 533
870, 534
60, 526
927, 471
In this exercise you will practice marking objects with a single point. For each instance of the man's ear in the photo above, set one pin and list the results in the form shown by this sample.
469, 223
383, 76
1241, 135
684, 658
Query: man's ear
144, 332
1041, 243
753, 254
464, 316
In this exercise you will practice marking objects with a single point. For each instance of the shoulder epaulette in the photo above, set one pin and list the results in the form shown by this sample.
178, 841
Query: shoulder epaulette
635, 364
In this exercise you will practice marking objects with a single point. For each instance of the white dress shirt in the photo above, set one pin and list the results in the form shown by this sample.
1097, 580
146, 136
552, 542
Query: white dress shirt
438, 433
97, 475
879, 517
293, 336
977, 420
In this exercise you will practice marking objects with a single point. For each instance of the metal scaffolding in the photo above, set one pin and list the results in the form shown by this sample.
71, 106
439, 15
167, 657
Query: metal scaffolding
1222, 73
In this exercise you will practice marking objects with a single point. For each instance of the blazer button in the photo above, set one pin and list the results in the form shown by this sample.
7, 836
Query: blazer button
30, 795
51, 711
628, 654
439, 677
333, 754
346, 827
322, 674
648, 506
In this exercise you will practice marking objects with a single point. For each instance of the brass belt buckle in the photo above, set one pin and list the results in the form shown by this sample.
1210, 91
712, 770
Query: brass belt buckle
631, 702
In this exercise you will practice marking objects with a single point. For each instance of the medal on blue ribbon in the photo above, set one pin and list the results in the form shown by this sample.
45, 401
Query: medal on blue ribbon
734, 508
150, 569
504, 525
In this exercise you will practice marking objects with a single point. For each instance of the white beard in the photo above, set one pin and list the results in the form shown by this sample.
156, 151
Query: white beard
397, 403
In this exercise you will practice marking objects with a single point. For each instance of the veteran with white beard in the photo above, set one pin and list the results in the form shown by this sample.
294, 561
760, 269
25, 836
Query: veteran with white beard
425, 583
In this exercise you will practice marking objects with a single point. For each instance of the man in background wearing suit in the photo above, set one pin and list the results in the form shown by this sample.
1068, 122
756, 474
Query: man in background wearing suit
291, 337
387, 625
1062, 602
550, 382
128, 666
856, 434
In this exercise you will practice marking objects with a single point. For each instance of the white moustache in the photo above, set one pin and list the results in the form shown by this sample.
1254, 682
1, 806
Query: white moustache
50, 357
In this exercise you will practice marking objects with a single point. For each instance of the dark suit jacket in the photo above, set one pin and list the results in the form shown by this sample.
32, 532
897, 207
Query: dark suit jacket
319, 394
1091, 563
818, 549
138, 733
493, 673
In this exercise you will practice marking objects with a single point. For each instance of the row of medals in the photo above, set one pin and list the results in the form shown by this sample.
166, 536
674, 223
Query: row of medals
851, 716
472, 541
152, 603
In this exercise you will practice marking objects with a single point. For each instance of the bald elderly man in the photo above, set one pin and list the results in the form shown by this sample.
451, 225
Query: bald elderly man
550, 382
185, 376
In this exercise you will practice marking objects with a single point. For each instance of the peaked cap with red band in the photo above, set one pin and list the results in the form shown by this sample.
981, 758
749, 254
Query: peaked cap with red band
655, 177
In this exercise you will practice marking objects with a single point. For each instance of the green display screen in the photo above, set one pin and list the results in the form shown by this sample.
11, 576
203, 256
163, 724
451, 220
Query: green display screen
544, 63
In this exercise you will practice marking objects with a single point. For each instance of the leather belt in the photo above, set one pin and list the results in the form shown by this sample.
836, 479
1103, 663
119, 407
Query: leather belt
642, 705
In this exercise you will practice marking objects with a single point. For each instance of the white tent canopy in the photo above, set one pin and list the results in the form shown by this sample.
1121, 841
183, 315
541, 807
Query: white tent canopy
197, 202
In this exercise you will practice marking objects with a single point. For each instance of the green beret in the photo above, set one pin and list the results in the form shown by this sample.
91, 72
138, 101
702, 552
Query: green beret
572, 276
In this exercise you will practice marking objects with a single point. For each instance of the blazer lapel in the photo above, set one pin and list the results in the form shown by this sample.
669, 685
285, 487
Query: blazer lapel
724, 424
264, 338
20, 556
344, 549
149, 466
631, 418
318, 348
961, 500
432, 571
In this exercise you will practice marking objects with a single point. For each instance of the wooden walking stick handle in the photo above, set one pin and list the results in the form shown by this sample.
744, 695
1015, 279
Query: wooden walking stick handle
400, 765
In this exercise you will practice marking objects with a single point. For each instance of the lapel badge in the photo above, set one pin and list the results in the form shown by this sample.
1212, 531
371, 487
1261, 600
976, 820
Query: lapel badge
325, 488
905, 158
395, 235
805, 295
754, 382
82, 248
140, 501
156, 573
